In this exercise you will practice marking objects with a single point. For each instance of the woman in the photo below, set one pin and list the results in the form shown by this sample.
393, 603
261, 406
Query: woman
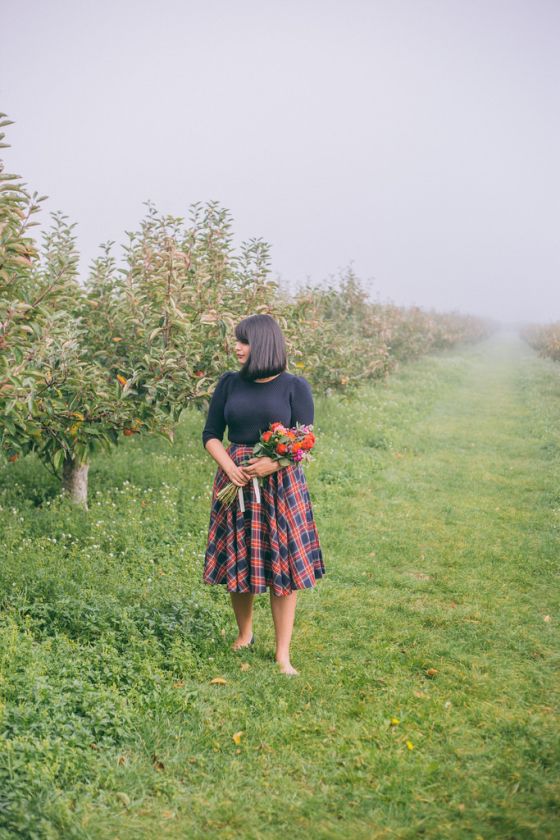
274, 541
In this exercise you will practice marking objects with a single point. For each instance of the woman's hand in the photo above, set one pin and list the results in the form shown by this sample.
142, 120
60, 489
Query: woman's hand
237, 475
261, 466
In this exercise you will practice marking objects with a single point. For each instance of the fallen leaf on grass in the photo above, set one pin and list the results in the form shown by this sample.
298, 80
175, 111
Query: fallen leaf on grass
218, 681
123, 798
547, 618
179, 684
157, 764
419, 694
168, 815
431, 672
121, 760
244, 666
236, 737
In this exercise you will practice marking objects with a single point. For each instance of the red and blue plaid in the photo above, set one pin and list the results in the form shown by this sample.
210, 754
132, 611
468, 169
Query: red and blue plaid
274, 543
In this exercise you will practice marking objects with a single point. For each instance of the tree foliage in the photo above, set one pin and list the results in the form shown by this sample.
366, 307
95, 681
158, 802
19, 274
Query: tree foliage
545, 338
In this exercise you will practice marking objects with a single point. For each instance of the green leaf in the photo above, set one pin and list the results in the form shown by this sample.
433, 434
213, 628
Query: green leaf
58, 458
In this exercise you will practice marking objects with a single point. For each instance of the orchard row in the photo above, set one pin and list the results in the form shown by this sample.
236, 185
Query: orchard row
84, 364
545, 339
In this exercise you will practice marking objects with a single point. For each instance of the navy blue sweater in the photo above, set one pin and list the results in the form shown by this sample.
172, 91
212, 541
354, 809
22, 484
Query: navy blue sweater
248, 408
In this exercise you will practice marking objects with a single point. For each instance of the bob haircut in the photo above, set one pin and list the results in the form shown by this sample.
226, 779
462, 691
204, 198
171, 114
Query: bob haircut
267, 356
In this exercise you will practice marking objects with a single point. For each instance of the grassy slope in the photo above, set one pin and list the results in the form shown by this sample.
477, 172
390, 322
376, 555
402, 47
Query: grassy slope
437, 502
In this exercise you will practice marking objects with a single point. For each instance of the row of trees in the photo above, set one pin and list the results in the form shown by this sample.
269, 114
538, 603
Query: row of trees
83, 365
544, 338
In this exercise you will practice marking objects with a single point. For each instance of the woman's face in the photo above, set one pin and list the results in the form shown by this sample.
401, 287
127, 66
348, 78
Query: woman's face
242, 351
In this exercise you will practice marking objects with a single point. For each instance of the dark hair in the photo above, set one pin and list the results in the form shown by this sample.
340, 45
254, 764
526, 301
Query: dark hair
267, 356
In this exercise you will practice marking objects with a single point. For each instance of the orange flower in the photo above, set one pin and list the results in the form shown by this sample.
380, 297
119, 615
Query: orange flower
266, 436
121, 379
281, 448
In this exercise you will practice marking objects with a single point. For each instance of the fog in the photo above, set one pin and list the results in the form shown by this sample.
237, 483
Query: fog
416, 140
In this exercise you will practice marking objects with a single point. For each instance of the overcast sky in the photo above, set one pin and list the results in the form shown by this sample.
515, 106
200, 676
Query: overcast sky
417, 139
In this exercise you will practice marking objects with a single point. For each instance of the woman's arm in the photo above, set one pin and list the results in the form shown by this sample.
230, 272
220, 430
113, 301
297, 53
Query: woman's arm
213, 433
215, 421
217, 450
303, 409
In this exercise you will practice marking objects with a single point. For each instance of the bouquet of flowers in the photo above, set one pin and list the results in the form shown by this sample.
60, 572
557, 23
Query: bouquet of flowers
287, 446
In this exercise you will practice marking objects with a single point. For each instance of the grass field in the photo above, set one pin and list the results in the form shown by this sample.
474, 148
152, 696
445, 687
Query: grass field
437, 499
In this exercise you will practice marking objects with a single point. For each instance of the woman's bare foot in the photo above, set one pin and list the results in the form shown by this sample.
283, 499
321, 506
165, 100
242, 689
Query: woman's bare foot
283, 612
286, 667
243, 642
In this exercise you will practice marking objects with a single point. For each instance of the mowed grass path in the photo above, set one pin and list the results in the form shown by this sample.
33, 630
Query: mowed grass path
427, 697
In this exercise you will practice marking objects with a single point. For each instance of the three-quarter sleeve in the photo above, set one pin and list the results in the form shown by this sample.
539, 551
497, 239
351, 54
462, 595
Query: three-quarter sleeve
302, 402
215, 422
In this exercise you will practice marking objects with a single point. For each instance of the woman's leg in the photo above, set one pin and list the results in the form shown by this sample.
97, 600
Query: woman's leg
242, 603
283, 612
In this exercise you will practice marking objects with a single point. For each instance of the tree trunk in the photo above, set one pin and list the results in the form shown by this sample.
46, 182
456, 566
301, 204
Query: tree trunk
75, 481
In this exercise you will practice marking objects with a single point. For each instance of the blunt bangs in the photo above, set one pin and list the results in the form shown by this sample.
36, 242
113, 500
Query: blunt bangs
267, 356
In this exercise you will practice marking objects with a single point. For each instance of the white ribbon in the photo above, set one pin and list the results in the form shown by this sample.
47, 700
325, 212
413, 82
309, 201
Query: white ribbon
257, 495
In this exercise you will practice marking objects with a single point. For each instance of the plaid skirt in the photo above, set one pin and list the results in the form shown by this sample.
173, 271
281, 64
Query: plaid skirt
274, 543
